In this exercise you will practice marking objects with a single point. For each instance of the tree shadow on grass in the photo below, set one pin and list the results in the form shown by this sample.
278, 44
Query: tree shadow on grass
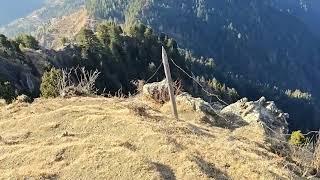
199, 131
166, 173
209, 169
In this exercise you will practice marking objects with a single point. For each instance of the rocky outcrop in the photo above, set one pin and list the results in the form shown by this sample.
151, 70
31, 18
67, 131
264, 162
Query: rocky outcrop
260, 111
154, 90
158, 91
197, 104
25, 71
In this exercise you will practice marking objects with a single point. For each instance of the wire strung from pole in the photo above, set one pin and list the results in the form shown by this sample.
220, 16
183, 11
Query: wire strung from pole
154, 73
203, 89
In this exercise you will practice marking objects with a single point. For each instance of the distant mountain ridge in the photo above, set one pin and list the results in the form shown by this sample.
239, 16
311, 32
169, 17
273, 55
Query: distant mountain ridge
306, 10
13, 9
51, 10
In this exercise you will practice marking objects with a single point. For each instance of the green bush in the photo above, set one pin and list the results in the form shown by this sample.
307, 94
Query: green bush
6, 91
27, 41
297, 138
49, 85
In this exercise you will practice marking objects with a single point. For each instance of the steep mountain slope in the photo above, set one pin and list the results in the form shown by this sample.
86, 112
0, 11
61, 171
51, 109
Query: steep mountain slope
24, 72
51, 34
21, 67
251, 38
306, 10
100, 138
13, 9
48, 12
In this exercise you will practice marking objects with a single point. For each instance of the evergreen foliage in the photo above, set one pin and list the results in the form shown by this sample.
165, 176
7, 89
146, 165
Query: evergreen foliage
6, 91
50, 83
27, 41
8, 48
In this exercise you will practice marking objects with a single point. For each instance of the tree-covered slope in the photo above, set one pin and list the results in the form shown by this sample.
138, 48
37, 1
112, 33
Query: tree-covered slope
261, 47
307, 11
248, 37
252, 38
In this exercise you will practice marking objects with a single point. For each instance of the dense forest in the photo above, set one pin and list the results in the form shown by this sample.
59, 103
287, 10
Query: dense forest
120, 56
256, 42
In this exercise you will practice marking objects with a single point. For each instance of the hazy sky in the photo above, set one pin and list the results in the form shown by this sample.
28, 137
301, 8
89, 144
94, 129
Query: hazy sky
13, 9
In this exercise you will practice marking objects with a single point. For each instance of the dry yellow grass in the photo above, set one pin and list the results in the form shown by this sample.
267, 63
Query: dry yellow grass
99, 138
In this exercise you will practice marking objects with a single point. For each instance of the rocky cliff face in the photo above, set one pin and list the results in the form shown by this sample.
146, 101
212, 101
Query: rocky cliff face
262, 112
25, 71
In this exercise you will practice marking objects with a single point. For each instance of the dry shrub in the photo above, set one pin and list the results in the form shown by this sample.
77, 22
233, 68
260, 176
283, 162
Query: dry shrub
316, 158
139, 85
119, 94
302, 157
307, 157
2, 102
138, 109
77, 82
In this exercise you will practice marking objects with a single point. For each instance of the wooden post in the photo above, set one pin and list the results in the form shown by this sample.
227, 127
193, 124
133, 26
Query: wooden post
169, 81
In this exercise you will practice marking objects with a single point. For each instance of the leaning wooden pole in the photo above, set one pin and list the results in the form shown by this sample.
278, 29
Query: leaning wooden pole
169, 81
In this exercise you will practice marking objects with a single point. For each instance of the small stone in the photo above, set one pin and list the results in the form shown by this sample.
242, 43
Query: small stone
23, 99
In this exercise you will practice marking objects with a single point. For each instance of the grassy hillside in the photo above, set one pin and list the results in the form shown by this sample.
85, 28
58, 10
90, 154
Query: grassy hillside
135, 138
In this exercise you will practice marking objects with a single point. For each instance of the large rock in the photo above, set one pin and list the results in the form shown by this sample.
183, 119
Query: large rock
196, 104
157, 91
261, 111
199, 111
23, 99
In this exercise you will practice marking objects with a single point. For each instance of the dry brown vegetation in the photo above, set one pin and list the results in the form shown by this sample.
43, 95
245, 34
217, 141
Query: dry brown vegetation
63, 27
134, 138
